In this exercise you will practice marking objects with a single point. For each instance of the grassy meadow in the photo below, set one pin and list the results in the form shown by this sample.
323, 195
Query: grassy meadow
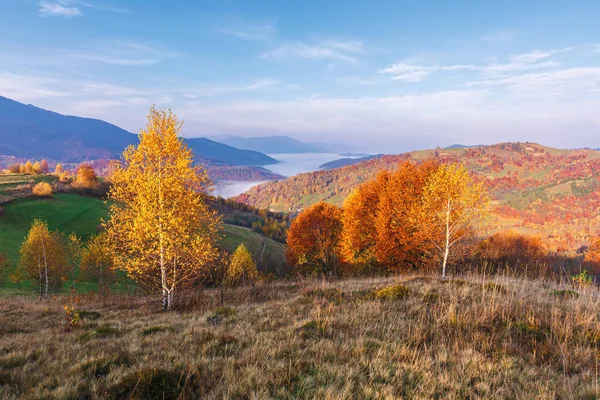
83, 215
412, 337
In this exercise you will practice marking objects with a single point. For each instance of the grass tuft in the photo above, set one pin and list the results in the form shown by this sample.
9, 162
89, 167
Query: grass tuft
157, 329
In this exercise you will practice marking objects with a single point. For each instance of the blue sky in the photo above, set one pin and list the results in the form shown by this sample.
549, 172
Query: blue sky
385, 75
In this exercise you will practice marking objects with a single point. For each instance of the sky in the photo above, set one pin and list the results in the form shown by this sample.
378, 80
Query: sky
386, 76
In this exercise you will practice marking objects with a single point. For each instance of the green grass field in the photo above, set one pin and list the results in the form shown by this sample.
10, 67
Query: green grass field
66, 212
82, 215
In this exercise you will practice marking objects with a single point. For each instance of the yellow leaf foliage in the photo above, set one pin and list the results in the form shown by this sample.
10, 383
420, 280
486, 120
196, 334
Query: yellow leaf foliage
42, 189
43, 257
97, 262
160, 227
453, 208
242, 268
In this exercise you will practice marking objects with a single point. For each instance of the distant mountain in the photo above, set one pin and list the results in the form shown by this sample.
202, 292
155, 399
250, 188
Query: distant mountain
342, 162
242, 173
31, 132
215, 153
271, 144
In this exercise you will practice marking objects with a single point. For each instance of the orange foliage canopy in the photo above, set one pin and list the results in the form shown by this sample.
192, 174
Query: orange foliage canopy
401, 241
314, 240
381, 227
86, 176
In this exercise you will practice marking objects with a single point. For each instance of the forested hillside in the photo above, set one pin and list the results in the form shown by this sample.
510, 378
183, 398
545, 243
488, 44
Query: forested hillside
536, 189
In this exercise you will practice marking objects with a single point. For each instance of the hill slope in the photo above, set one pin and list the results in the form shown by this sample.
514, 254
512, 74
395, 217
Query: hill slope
271, 144
31, 132
343, 162
537, 189
469, 338
82, 215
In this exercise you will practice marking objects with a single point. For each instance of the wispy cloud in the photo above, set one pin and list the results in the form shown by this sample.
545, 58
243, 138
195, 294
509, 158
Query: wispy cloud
499, 37
58, 8
72, 8
249, 32
534, 60
125, 54
416, 73
347, 46
312, 51
211, 91
567, 83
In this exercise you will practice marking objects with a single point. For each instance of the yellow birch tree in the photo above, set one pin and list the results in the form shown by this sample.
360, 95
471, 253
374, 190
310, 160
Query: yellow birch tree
43, 257
97, 263
160, 228
453, 208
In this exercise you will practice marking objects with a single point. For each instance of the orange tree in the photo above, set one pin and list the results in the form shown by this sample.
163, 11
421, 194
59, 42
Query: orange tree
161, 229
359, 235
314, 240
85, 176
401, 241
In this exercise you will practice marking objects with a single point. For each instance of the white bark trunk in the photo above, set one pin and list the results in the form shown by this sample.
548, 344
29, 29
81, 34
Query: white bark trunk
45, 267
447, 245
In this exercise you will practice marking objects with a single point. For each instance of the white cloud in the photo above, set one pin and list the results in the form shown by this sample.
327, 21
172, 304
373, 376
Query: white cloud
568, 83
249, 32
499, 37
347, 46
124, 54
210, 91
58, 8
415, 76
517, 63
416, 73
331, 50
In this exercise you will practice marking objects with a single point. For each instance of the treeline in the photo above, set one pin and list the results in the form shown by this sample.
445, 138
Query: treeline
554, 193
29, 168
417, 218
271, 224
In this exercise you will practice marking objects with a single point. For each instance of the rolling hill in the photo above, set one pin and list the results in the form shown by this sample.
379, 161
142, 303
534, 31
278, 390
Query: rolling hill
343, 162
27, 131
82, 215
538, 190
271, 144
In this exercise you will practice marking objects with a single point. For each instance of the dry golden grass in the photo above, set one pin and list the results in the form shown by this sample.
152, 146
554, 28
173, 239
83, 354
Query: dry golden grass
473, 337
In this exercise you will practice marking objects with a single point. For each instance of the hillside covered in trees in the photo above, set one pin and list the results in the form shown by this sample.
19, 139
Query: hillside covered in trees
536, 189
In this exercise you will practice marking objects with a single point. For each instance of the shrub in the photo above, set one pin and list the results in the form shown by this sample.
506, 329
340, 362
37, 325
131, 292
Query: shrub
42, 189
510, 248
393, 292
583, 279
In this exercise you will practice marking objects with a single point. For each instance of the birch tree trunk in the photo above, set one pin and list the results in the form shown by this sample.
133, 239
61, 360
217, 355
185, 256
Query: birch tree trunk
45, 267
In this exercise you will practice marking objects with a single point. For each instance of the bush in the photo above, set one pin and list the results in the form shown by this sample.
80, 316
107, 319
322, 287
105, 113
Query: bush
512, 249
393, 292
42, 189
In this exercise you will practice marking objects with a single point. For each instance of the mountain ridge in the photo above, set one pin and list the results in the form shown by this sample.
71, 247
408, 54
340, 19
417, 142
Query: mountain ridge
28, 131
271, 144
